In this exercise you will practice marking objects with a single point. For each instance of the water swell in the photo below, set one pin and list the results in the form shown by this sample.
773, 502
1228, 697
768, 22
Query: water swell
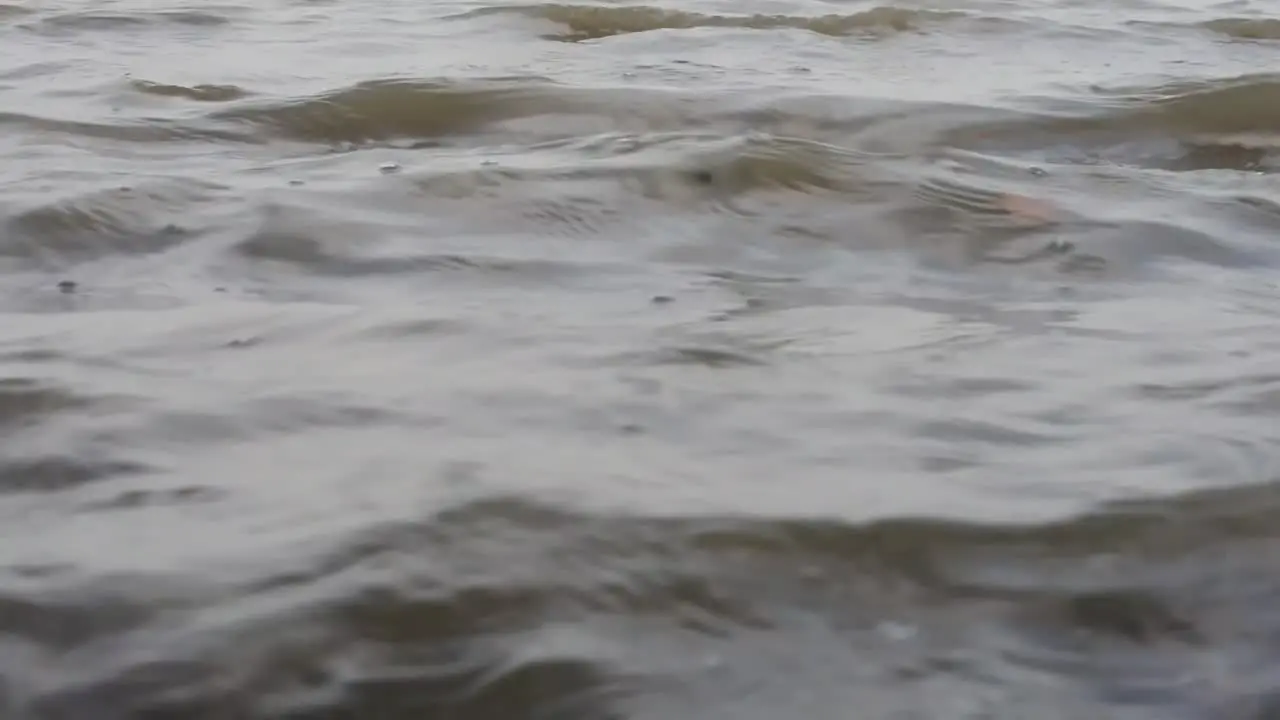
593, 22
151, 217
505, 607
1238, 111
107, 21
1245, 28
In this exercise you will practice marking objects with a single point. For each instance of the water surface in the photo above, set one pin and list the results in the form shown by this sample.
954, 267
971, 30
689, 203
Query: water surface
604, 361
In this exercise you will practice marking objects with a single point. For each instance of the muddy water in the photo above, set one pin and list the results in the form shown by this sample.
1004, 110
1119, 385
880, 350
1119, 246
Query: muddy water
752, 360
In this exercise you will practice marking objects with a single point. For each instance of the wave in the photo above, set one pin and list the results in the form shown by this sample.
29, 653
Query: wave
8, 11
1246, 28
1231, 112
198, 93
139, 131
27, 403
383, 109
591, 22
303, 239
528, 153
530, 109
106, 20
1249, 103
149, 217
1229, 123
504, 607
53, 474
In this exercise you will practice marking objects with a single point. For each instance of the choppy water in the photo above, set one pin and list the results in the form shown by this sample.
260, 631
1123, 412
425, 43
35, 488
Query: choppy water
755, 360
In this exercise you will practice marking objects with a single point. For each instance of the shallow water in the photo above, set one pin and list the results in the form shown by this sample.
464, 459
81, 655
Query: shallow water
752, 360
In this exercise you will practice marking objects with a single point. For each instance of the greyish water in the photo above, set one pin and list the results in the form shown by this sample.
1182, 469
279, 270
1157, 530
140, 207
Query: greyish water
752, 360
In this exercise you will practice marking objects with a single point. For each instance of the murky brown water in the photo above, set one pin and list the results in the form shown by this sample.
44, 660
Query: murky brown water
749, 360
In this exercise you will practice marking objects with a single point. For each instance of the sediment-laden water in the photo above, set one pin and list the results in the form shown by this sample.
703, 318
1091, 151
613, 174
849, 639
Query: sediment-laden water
605, 361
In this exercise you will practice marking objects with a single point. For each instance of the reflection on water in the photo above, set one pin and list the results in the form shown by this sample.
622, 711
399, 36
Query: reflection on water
594, 361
